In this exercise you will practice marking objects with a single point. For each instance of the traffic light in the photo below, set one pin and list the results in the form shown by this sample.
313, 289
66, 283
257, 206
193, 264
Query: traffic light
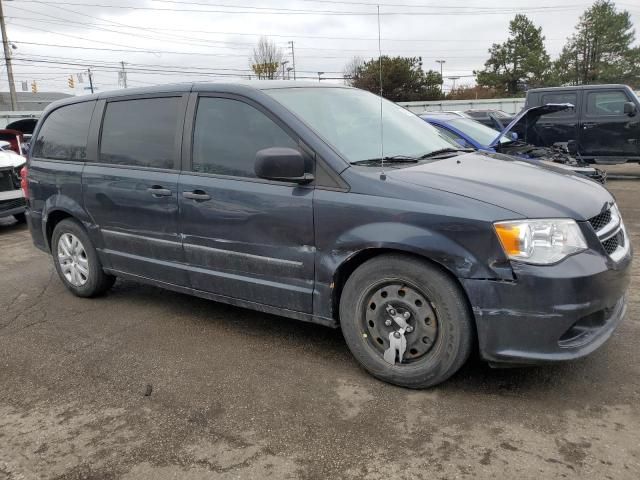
71, 83
34, 86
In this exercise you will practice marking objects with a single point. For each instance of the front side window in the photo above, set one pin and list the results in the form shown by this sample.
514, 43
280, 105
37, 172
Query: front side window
140, 132
228, 134
349, 120
63, 135
606, 103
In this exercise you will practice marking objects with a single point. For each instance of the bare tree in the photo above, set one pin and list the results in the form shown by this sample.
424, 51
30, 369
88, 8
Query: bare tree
352, 70
266, 59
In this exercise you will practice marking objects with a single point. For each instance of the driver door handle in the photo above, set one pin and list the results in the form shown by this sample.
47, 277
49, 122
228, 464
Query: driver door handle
198, 195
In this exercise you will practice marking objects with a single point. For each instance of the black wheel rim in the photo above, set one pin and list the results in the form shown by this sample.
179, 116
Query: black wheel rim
403, 298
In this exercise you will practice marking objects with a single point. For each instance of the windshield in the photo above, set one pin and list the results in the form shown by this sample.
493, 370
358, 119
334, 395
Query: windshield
479, 132
349, 119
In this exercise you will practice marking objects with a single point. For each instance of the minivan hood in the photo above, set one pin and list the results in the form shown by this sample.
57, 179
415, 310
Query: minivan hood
527, 118
522, 186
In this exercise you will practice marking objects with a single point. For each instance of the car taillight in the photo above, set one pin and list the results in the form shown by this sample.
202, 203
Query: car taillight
24, 185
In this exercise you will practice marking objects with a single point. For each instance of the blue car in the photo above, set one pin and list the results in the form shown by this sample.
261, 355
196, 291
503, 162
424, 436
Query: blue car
469, 133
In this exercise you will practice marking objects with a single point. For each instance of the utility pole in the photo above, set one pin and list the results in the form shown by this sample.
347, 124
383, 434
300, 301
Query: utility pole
90, 79
123, 75
320, 75
7, 61
293, 58
441, 77
284, 64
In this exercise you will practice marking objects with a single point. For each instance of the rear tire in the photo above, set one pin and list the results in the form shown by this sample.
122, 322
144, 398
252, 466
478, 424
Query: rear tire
442, 331
20, 217
76, 260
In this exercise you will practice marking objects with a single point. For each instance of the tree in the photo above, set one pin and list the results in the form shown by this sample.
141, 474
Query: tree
402, 78
267, 59
467, 92
600, 50
519, 63
351, 69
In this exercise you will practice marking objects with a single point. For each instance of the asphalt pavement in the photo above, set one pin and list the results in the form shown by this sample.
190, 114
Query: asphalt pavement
148, 384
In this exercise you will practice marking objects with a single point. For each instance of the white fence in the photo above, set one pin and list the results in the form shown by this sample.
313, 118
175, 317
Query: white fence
509, 105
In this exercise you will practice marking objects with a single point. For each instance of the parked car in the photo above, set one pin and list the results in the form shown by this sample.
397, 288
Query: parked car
274, 196
605, 123
496, 119
470, 133
11, 197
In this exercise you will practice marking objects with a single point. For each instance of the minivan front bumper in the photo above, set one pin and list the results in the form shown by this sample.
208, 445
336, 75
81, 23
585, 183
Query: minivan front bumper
550, 313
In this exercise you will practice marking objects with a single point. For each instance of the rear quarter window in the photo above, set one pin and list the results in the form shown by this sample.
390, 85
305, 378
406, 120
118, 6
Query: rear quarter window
140, 132
63, 135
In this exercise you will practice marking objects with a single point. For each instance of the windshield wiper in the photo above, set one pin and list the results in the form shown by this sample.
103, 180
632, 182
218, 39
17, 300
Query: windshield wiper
442, 151
390, 159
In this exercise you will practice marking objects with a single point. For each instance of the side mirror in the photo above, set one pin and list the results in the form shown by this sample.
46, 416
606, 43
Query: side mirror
629, 108
282, 164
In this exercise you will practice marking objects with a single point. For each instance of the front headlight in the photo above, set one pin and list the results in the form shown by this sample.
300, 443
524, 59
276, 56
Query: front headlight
540, 242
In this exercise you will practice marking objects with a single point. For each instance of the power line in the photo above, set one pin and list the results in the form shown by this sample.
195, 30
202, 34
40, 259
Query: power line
282, 11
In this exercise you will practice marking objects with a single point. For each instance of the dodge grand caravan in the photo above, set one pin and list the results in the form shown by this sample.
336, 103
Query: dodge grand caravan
274, 196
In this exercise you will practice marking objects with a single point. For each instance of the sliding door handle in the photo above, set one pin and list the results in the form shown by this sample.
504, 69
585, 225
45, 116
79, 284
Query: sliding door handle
158, 191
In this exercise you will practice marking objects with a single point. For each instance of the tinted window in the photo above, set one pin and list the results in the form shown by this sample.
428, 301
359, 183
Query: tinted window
560, 97
606, 103
229, 133
140, 132
63, 135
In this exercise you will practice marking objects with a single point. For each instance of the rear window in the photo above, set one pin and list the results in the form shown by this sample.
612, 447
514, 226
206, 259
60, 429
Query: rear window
63, 136
141, 132
560, 97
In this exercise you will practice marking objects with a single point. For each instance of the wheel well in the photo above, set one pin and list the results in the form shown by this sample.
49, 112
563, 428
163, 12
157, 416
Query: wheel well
53, 219
352, 263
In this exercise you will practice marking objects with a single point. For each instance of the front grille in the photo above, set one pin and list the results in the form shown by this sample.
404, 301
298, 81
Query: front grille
609, 229
601, 220
11, 204
611, 244
6, 181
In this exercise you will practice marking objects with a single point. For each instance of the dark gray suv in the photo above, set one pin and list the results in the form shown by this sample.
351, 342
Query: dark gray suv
273, 196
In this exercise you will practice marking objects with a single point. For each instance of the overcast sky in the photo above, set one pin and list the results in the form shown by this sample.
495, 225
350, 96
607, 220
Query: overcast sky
165, 41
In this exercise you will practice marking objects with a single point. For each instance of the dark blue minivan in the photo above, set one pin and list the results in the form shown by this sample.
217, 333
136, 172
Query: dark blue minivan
295, 199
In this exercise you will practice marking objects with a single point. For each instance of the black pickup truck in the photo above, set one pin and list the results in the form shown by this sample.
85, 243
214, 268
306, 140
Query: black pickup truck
605, 123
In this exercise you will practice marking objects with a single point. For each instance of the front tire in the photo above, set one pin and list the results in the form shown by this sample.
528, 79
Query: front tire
440, 335
76, 260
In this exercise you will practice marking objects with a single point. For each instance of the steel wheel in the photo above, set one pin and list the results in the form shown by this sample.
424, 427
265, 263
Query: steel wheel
73, 260
386, 300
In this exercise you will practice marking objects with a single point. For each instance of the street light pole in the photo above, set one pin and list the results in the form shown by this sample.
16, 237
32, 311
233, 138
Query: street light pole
283, 65
441, 62
320, 75
7, 61
293, 58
